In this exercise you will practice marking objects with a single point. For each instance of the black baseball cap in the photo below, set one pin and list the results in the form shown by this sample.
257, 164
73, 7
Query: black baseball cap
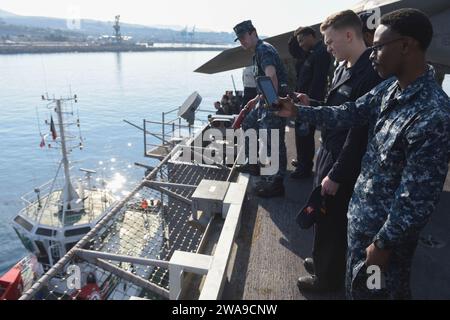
315, 206
242, 28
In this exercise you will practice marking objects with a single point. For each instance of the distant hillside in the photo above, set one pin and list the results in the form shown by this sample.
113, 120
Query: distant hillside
97, 28
4, 13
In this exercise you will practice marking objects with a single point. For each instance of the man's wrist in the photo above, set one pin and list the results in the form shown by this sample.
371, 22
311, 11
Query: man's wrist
334, 176
382, 244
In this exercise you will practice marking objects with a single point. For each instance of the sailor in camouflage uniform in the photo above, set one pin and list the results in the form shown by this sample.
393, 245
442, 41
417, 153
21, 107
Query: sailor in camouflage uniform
266, 62
405, 167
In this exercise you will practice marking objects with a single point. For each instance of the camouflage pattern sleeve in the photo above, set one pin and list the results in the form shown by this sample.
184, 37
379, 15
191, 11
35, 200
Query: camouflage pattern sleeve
422, 180
350, 114
267, 58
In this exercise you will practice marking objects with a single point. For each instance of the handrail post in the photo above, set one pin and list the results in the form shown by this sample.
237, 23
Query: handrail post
163, 127
145, 139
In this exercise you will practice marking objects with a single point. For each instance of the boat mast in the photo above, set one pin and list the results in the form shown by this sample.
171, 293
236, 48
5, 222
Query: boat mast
70, 199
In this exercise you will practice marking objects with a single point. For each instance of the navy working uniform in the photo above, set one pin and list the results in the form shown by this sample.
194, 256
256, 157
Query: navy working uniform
261, 117
402, 174
339, 158
312, 80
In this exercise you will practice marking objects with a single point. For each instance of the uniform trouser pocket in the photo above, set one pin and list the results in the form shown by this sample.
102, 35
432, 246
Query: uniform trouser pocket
396, 282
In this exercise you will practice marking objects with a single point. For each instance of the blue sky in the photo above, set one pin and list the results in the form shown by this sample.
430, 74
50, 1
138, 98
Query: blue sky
270, 17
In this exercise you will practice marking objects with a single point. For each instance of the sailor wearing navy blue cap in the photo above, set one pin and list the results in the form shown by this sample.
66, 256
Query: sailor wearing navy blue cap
266, 62
242, 28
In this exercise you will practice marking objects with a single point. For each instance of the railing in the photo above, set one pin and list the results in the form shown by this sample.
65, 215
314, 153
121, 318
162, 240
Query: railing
46, 198
172, 131
45, 189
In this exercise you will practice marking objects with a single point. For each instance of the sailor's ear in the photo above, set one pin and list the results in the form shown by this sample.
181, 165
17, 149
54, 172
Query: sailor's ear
409, 44
349, 35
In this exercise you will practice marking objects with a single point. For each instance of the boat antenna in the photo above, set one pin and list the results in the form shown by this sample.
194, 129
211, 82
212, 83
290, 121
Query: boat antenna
71, 201
234, 85
39, 122
79, 129
45, 76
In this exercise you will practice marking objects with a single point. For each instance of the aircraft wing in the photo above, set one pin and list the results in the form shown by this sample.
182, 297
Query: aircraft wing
438, 53
238, 58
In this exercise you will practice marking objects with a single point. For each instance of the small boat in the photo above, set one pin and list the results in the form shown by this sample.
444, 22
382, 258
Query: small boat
59, 213
20, 278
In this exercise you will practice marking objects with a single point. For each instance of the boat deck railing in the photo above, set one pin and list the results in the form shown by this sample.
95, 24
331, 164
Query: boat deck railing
157, 144
42, 191
44, 203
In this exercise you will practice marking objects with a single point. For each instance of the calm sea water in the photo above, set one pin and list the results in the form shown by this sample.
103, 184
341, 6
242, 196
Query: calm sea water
110, 87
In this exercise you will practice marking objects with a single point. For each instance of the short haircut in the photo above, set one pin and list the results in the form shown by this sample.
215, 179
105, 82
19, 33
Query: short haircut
343, 19
410, 23
305, 31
